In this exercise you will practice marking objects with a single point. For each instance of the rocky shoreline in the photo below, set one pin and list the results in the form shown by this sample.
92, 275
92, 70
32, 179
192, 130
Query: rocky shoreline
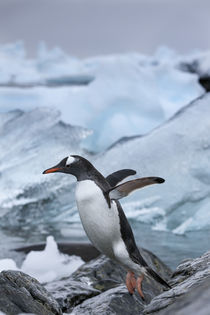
98, 287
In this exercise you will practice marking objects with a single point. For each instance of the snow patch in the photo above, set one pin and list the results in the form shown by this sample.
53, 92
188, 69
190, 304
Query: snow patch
46, 265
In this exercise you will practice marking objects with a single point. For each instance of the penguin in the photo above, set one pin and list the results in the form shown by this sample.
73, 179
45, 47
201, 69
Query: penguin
103, 218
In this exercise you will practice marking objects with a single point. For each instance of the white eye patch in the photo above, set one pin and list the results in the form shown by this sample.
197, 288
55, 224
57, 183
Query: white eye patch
70, 160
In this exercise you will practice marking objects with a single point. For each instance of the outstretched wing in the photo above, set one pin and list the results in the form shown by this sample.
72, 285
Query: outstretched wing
126, 188
116, 177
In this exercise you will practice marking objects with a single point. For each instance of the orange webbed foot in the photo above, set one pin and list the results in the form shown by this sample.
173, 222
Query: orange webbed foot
130, 282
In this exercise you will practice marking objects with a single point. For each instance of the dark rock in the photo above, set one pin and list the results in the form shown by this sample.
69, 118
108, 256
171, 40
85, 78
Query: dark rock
113, 301
99, 270
20, 293
98, 287
197, 268
195, 67
103, 271
189, 277
205, 82
89, 280
196, 301
70, 293
156, 264
104, 275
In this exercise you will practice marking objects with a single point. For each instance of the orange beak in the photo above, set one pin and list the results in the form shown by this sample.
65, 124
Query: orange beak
52, 170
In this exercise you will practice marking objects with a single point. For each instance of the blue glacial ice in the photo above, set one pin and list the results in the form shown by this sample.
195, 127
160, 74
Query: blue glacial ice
129, 94
178, 151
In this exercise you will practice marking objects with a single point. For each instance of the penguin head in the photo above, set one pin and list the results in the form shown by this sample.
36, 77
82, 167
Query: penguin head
74, 164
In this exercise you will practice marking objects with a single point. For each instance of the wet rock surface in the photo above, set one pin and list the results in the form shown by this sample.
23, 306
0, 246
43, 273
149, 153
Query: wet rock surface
113, 301
196, 301
102, 271
70, 293
20, 293
99, 287
104, 291
188, 288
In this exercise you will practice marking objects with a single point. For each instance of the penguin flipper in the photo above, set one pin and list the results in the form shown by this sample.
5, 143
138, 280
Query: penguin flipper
116, 177
126, 188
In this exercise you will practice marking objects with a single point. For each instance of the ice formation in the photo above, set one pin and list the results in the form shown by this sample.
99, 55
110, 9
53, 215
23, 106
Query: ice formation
130, 94
30, 142
179, 152
127, 95
46, 265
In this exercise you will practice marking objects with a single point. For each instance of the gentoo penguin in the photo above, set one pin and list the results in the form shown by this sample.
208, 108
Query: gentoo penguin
103, 218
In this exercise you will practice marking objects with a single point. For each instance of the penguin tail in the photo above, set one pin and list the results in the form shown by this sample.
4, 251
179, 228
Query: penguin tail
152, 273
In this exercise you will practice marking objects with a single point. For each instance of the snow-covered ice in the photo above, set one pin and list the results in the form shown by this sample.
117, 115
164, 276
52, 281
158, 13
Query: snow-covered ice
46, 265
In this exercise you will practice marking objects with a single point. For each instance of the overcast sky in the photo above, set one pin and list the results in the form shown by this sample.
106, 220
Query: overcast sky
92, 27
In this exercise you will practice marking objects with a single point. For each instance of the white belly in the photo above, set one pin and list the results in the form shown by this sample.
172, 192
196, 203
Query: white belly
100, 222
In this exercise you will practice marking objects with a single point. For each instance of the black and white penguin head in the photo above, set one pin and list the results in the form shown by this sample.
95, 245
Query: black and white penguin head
73, 164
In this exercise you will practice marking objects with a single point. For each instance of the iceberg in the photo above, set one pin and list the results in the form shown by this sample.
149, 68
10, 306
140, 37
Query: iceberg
179, 152
30, 141
114, 96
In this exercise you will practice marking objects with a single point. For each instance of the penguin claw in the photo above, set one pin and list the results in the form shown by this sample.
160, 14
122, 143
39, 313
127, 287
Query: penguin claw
130, 282
138, 285
133, 284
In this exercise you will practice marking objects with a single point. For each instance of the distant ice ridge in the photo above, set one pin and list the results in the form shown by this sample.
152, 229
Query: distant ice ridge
130, 94
178, 151
46, 265
199, 221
